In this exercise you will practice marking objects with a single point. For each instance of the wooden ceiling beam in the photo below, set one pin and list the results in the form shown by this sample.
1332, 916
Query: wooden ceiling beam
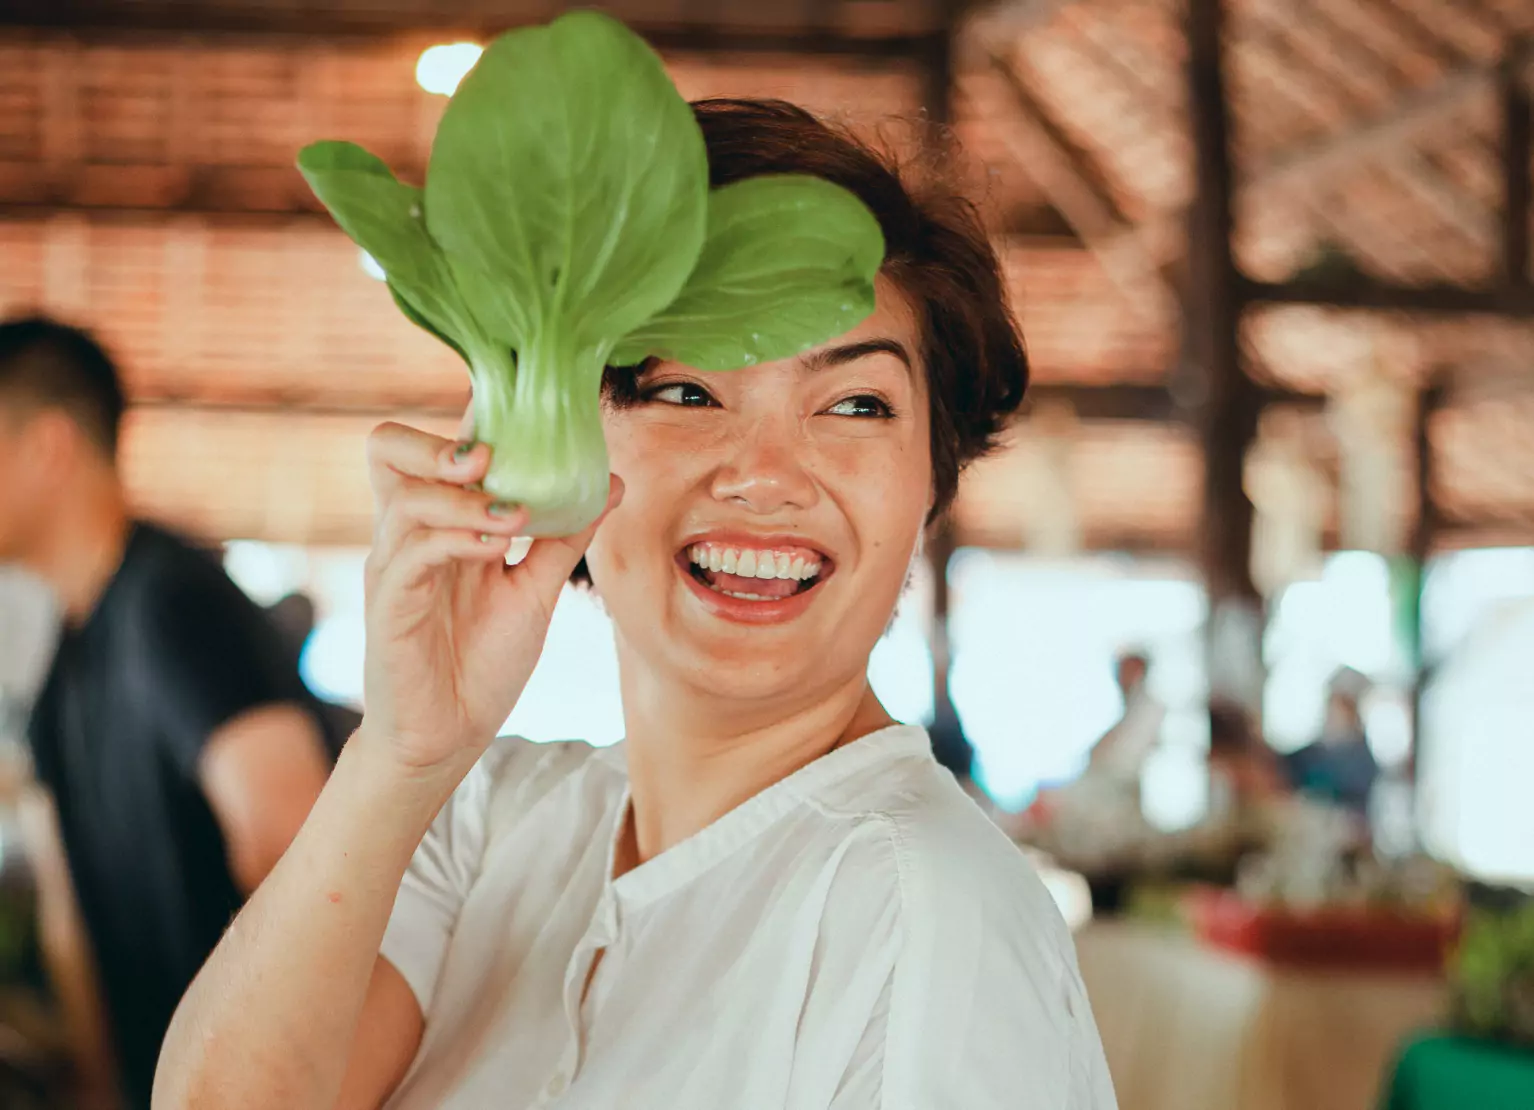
1091, 203
91, 18
1517, 140
1346, 150
39, 189
1412, 30
1414, 113
1112, 50
1007, 20
1513, 302
1073, 183
1352, 49
1469, 218
1324, 70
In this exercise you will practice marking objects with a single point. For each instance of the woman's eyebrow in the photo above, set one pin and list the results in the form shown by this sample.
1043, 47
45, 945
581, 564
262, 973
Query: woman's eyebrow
851, 352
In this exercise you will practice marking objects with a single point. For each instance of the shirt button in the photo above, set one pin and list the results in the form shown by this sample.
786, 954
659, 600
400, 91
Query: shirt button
556, 1086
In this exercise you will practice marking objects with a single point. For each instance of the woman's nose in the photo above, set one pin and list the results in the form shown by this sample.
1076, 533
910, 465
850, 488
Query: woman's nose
765, 472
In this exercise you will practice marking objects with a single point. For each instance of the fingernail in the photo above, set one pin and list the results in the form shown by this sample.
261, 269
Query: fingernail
486, 537
501, 508
462, 451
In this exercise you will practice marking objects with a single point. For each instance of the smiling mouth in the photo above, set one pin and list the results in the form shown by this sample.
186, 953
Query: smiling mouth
754, 575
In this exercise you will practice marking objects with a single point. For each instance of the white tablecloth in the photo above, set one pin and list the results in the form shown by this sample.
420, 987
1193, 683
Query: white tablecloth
1187, 1027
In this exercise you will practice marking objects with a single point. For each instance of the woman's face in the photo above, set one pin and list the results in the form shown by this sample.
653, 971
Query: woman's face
770, 513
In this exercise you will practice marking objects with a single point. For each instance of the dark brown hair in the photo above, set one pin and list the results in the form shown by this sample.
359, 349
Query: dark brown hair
45, 364
936, 251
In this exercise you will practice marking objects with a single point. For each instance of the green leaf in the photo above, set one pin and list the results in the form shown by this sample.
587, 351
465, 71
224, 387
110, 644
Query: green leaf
414, 316
789, 262
383, 216
568, 183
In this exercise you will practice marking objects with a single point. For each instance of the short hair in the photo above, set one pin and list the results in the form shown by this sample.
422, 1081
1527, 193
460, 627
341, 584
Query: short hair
936, 252
45, 364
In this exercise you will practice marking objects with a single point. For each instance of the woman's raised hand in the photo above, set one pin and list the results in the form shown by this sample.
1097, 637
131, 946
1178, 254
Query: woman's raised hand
453, 633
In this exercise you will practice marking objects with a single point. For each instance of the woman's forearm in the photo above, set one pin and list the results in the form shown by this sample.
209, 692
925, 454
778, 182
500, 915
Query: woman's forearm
270, 1019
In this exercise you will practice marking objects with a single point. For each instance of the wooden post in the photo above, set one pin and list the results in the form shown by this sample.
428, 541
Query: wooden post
1517, 136
948, 740
1429, 402
1231, 401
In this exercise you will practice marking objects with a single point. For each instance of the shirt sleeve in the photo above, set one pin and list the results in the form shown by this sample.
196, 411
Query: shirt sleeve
207, 655
441, 873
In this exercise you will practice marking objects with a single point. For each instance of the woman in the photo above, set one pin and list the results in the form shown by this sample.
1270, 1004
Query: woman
770, 895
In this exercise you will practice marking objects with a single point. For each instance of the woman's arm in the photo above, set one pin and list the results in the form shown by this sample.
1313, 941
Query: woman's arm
271, 1019
452, 636
388, 1034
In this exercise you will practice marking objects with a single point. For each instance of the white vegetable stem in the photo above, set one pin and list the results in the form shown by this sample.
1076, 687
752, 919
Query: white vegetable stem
540, 412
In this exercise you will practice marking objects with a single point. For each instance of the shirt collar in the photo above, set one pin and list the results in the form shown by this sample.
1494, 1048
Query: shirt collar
685, 861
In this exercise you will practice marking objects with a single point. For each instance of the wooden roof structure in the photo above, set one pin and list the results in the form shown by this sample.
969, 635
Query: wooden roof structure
1377, 187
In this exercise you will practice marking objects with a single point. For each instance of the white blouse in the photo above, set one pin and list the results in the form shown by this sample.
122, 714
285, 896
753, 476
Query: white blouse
858, 936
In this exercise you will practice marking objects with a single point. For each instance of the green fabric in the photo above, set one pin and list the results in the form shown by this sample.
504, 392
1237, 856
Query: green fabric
1443, 1072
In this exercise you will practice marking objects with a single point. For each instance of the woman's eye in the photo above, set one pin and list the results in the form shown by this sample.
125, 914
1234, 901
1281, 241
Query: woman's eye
688, 394
861, 405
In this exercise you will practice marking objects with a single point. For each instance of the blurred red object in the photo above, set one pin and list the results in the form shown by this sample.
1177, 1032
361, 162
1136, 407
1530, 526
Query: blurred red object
1336, 938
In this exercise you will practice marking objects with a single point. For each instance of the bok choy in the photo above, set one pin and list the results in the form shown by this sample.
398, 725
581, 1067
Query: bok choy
566, 224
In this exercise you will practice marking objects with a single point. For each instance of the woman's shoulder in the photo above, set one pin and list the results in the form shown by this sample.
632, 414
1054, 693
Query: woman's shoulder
515, 775
974, 934
952, 862
911, 832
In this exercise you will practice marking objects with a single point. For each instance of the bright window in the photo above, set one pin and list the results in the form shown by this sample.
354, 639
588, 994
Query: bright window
1477, 755
1034, 641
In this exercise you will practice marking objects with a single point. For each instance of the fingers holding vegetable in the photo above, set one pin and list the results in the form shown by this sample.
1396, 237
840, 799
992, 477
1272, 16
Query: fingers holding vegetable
453, 632
398, 452
435, 506
549, 562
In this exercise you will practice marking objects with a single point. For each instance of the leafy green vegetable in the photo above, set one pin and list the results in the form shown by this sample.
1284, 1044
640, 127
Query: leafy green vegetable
1492, 973
566, 224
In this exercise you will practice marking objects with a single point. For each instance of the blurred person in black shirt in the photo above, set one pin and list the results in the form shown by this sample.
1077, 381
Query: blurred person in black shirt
179, 750
1339, 767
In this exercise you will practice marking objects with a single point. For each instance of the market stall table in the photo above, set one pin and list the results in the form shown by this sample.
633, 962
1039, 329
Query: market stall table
1190, 1027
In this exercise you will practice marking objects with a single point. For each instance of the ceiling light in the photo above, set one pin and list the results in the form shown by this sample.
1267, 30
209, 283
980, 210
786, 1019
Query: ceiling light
370, 266
442, 67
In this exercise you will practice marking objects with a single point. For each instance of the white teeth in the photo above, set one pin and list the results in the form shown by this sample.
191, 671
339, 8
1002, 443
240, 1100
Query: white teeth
746, 597
753, 563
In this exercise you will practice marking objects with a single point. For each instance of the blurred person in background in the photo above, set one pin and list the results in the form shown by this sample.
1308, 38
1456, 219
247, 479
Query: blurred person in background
1121, 752
293, 615
177, 748
1339, 767
1091, 820
1244, 771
